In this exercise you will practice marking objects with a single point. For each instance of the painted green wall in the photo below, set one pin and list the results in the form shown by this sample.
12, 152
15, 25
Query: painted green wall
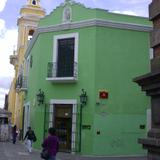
42, 53
121, 56
107, 59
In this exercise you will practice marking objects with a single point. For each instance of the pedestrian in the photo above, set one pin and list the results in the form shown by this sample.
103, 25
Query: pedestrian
51, 144
31, 137
14, 134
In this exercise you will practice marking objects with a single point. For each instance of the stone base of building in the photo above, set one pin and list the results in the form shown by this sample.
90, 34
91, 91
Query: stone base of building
152, 144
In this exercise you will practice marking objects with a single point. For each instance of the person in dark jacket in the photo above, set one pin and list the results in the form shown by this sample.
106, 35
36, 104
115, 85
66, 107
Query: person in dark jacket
30, 137
14, 134
51, 143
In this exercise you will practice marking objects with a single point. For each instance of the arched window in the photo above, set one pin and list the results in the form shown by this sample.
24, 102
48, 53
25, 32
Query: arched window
34, 2
30, 34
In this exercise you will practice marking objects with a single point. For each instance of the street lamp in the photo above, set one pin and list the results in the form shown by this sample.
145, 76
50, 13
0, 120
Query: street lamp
40, 97
83, 102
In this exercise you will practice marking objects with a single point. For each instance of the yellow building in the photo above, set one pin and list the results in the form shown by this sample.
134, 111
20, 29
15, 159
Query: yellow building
30, 15
12, 91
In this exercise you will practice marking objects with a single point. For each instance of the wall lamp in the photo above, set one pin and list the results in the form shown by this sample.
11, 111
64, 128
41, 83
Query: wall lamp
83, 98
40, 97
83, 101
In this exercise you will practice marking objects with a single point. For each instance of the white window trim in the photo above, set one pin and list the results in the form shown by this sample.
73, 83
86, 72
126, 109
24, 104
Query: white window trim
74, 116
63, 36
55, 57
27, 123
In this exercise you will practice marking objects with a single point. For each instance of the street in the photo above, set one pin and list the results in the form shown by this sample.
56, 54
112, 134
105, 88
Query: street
8, 151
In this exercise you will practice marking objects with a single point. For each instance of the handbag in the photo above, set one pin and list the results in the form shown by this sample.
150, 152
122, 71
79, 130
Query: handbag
45, 154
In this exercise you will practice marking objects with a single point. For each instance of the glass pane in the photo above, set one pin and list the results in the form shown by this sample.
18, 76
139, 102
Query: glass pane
65, 57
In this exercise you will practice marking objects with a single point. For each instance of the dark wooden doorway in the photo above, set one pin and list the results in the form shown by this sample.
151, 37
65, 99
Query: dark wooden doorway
63, 125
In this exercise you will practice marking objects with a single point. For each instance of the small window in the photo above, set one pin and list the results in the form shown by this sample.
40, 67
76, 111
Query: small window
34, 2
30, 34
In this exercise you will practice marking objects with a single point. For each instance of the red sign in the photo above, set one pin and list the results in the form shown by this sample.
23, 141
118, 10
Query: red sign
103, 94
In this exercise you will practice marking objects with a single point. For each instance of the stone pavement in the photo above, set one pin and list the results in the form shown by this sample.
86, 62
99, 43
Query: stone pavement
8, 151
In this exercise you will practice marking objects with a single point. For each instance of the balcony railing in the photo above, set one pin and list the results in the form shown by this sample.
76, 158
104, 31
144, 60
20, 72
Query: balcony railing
21, 83
63, 74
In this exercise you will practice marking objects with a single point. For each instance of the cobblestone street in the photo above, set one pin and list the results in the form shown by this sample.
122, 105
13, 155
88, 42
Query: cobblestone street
8, 151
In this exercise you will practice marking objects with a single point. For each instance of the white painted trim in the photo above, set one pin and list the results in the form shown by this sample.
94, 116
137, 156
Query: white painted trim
65, 36
73, 102
63, 101
62, 80
87, 23
51, 113
26, 117
74, 118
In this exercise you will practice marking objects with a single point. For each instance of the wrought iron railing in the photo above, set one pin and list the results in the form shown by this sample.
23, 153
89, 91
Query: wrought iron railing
21, 83
53, 71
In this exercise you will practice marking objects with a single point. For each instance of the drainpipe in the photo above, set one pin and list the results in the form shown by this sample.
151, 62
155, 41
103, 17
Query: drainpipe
80, 128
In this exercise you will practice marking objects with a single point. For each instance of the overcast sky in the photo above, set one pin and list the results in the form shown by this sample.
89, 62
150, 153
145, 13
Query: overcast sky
9, 12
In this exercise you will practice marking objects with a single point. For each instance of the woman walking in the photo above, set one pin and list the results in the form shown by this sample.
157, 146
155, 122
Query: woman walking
51, 144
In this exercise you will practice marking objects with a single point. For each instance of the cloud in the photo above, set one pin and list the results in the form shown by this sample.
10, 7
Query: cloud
3, 92
2, 96
2, 4
8, 39
5, 82
131, 7
126, 12
2, 28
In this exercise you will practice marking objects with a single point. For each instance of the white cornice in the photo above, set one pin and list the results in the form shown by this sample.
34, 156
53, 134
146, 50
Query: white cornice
87, 23
33, 8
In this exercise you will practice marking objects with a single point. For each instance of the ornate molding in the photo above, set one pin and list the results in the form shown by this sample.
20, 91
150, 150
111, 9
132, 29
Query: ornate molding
87, 23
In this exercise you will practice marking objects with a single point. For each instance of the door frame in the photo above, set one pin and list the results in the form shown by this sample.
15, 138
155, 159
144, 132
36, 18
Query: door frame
26, 115
73, 102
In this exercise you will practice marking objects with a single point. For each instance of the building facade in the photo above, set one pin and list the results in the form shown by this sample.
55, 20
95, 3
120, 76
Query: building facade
30, 15
81, 63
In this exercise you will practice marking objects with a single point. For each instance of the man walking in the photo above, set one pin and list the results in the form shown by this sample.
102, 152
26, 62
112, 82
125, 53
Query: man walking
30, 135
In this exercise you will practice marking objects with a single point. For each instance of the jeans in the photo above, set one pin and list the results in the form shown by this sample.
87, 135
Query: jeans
14, 138
29, 145
52, 158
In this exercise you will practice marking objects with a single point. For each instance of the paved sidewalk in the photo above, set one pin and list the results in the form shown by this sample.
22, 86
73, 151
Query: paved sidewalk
9, 151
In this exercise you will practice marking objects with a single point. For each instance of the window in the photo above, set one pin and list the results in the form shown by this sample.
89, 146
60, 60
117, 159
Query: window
34, 2
65, 58
30, 34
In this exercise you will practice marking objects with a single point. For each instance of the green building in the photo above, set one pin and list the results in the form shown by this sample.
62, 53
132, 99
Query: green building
93, 55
